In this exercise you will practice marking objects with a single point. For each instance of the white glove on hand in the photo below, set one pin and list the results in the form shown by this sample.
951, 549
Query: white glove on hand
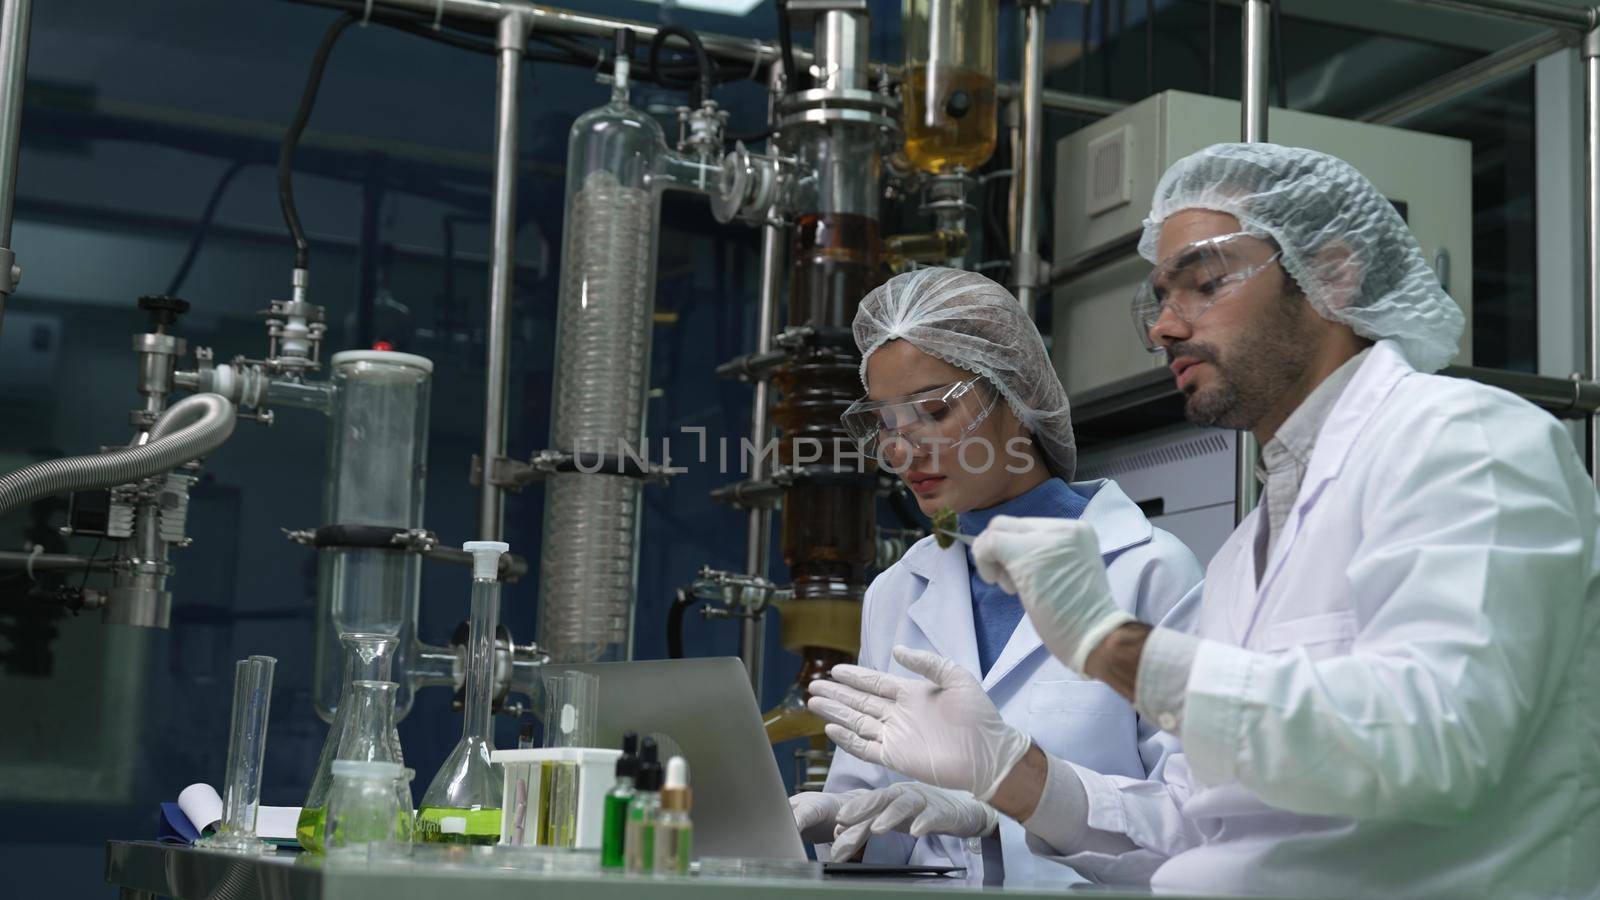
943, 731
816, 813
1054, 566
917, 809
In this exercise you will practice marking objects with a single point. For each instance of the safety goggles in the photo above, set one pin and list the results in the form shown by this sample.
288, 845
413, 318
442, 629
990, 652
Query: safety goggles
1192, 280
927, 422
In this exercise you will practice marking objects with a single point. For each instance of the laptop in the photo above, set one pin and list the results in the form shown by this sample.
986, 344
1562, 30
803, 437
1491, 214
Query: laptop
704, 710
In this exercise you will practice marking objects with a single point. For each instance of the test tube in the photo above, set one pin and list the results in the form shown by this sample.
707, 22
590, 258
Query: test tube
247, 743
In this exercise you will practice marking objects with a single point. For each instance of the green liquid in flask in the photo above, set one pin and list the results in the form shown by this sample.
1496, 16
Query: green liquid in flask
483, 826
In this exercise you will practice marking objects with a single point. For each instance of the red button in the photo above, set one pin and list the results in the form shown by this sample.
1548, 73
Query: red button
382, 345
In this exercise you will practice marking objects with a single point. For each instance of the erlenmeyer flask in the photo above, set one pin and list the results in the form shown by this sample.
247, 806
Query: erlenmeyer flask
462, 803
363, 730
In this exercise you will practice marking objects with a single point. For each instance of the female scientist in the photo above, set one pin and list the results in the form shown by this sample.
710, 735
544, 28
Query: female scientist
963, 404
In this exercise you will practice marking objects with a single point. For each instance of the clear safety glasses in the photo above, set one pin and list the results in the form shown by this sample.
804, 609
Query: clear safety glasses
1192, 280
929, 422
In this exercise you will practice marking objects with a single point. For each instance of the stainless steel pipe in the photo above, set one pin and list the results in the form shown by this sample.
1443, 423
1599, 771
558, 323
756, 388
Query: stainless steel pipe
1252, 129
14, 18
1491, 68
1540, 12
1025, 183
758, 542
1591, 218
512, 41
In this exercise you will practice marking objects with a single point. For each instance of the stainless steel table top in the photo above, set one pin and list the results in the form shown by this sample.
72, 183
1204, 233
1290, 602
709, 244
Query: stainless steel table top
143, 868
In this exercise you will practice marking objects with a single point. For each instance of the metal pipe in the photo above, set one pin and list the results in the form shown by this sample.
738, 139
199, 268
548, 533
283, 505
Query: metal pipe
1025, 255
512, 41
1556, 15
758, 543
1253, 98
1591, 215
1065, 101
14, 19
1478, 73
1252, 128
54, 562
757, 54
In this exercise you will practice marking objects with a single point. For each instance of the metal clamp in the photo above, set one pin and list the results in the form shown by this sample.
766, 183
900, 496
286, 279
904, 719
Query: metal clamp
742, 596
514, 474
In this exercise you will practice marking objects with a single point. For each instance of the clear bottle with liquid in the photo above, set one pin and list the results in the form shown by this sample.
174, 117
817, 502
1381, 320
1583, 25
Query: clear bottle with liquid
949, 89
640, 851
614, 827
674, 831
363, 728
462, 803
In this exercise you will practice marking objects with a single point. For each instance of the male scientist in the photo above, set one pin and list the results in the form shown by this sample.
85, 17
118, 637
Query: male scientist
1391, 690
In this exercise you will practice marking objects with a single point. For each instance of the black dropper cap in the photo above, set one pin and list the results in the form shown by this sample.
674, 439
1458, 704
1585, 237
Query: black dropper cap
628, 762
650, 775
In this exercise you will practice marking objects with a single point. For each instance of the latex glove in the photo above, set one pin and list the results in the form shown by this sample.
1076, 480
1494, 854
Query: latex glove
816, 813
1054, 566
918, 809
943, 731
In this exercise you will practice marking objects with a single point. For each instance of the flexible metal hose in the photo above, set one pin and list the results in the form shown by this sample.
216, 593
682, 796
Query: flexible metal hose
190, 428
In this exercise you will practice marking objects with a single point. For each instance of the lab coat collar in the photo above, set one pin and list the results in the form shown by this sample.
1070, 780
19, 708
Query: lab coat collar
944, 608
1383, 368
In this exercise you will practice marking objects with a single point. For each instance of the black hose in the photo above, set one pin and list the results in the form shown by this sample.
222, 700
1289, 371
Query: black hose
680, 604
1211, 47
1149, 47
175, 286
1280, 69
792, 77
1083, 47
297, 127
700, 87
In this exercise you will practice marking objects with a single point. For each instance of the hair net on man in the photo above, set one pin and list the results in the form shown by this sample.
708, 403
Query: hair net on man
974, 324
1343, 242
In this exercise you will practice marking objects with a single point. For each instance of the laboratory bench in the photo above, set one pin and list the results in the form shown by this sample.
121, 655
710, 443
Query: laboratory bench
144, 870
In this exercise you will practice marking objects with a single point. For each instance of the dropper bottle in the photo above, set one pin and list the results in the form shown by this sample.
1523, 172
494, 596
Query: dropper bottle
674, 832
614, 834
643, 809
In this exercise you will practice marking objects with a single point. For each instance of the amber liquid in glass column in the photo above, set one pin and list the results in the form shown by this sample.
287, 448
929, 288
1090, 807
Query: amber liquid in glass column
936, 140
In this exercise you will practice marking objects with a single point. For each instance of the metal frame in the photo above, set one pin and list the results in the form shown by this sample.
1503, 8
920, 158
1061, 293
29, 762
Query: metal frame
15, 16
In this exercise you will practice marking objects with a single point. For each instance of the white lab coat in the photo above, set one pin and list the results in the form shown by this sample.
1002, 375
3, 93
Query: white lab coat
1415, 711
924, 601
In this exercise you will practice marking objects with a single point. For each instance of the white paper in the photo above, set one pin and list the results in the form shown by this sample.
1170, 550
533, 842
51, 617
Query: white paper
203, 806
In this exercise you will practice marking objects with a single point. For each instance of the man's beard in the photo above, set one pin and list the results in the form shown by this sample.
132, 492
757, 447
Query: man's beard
1267, 360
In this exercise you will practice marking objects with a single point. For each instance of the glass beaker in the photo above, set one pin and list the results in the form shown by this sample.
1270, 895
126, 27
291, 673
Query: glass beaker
367, 660
467, 788
364, 816
571, 702
363, 731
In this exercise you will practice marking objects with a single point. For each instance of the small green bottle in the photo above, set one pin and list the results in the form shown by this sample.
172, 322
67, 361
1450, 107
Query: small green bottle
615, 834
639, 853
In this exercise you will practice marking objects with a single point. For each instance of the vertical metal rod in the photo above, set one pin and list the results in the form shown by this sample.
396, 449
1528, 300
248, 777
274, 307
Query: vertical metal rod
1025, 255
1253, 95
1252, 128
1591, 217
14, 18
512, 41
752, 637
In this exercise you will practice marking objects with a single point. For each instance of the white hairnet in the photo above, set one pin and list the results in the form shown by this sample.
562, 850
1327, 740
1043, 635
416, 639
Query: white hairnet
1343, 242
974, 324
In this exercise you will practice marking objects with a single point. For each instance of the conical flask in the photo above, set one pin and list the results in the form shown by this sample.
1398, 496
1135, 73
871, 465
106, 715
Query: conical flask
363, 728
462, 803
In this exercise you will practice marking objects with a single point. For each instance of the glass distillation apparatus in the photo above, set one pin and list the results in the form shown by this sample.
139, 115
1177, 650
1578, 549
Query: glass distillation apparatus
618, 166
462, 803
377, 464
948, 100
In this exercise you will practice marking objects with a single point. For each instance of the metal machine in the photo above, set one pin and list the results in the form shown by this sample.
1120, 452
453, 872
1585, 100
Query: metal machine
1107, 172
